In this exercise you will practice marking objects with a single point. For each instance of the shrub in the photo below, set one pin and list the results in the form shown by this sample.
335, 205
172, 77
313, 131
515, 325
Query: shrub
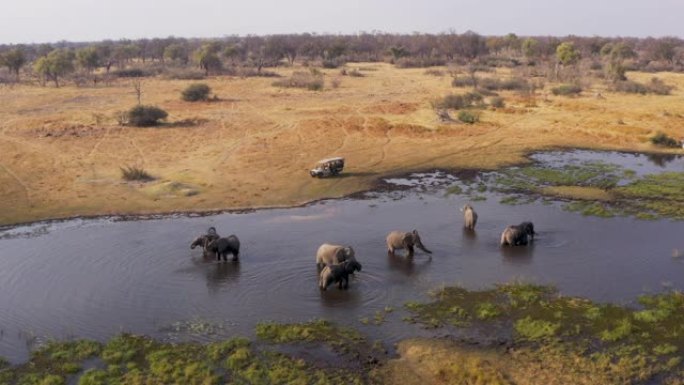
470, 117
463, 81
567, 90
313, 82
332, 63
493, 84
457, 102
130, 73
408, 62
661, 139
145, 116
656, 86
132, 173
196, 92
497, 102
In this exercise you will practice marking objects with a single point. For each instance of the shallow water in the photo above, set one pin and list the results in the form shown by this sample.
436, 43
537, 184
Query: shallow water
97, 278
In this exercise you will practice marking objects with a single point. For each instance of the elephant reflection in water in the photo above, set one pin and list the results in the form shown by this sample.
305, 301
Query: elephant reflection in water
221, 274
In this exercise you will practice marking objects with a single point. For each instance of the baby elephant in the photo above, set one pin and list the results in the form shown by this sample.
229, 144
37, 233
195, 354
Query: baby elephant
223, 246
337, 274
516, 235
328, 254
401, 240
469, 217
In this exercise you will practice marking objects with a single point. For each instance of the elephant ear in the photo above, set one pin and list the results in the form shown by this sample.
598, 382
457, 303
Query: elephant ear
349, 252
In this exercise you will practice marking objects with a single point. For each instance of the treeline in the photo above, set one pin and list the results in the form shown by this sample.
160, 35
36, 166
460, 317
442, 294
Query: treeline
91, 63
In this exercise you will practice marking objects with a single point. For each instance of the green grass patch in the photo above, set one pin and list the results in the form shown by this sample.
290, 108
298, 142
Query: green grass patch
313, 331
534, 329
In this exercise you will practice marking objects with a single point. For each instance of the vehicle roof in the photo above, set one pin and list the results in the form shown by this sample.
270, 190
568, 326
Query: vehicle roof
331, 160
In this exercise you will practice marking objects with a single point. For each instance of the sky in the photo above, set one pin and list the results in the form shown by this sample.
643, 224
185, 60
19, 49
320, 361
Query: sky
39, 21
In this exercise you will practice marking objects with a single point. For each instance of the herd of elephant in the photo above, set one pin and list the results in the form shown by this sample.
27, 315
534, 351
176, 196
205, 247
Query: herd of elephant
336, 262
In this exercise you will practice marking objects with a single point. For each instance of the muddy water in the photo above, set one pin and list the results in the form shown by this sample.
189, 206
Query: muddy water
97, 278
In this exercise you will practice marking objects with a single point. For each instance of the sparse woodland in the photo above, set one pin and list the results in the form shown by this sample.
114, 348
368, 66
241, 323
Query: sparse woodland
570, 59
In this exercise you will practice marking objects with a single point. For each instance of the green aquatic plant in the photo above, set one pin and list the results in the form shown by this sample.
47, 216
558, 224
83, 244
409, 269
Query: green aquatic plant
620, 331
313, 331
535, 329
592, 189
487, 310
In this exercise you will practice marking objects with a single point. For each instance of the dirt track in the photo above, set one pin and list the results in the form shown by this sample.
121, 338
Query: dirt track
61, 149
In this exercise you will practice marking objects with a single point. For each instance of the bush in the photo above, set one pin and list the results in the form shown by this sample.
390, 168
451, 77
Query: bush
408, 62
463, 81
497, 102
661, 139
656, 86
196, 92
631, 87
470, 117
567, 90
457, 102
135, 173
130, 73
493, 84
310, 81
145, 116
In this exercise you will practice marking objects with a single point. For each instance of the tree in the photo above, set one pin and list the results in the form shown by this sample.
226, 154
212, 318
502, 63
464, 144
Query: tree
471, 45
88, 58
207, 58
530, 48
55, 65
616, 54
398, 52
13, 59
176, 52
567, 54
664, 49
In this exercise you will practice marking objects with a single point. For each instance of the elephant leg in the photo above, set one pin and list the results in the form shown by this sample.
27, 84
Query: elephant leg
235, 256
346, 282
339, 284
390, 251
410, 251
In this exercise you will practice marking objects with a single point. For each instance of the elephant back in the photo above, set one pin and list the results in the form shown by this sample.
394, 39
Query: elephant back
397, 239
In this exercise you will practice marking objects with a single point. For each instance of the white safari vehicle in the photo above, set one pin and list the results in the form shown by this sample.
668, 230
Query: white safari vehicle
327, 167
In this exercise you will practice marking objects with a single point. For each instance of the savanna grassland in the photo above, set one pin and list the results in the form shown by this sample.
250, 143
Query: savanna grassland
62, 149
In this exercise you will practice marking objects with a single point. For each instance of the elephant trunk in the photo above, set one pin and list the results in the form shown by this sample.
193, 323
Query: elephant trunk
420, 246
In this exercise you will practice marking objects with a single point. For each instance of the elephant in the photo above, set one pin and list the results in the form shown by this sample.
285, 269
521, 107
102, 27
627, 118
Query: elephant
329, 254
516, 235
469, 217
223, 246
338, 274
401, 240
205, 239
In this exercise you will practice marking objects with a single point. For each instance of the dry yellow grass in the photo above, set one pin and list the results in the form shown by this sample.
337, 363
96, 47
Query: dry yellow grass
430, 361
61, 149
